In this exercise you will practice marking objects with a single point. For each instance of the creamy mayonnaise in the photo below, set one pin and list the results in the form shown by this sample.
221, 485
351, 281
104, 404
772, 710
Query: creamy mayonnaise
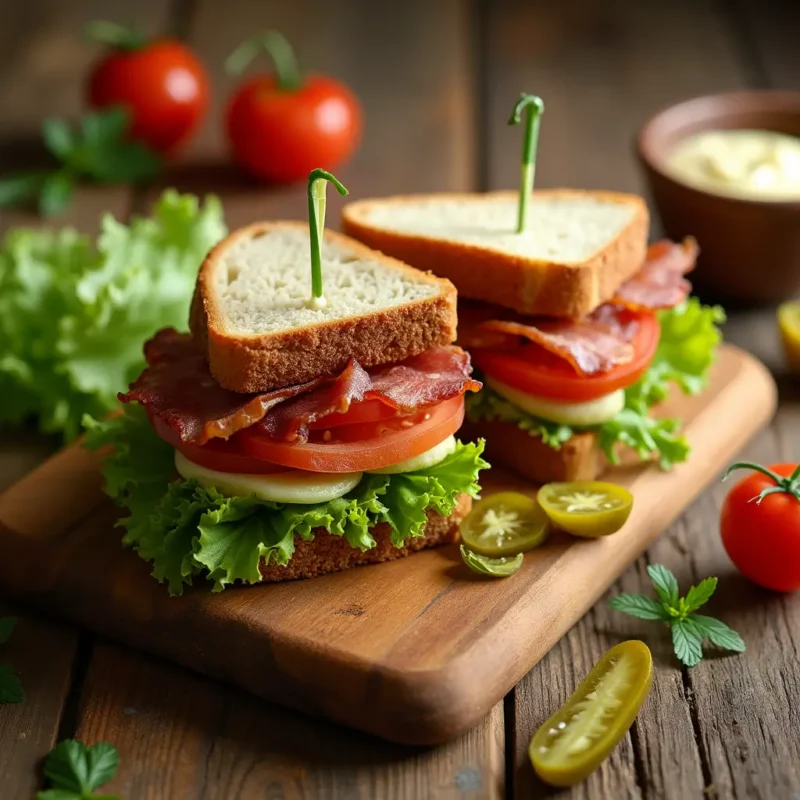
756, 164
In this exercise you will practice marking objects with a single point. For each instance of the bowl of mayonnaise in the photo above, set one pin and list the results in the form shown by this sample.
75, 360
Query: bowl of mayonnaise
726, 169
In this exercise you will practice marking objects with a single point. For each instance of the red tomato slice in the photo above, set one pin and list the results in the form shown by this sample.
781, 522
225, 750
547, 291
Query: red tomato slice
363, 446
532, 369
366, 411
218, 454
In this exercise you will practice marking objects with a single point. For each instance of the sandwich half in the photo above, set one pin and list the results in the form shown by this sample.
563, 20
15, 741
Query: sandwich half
284, 438
576, 326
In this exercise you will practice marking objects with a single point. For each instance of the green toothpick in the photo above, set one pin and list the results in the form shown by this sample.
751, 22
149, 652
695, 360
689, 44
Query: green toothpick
535, 108
317, 184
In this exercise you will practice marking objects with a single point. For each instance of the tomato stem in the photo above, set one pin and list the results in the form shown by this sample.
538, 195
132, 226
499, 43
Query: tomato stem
277, 47
790, 485
534, 106
116, 36
317, 184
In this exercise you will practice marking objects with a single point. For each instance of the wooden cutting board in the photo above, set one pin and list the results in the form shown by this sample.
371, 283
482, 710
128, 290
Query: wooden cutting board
416, 650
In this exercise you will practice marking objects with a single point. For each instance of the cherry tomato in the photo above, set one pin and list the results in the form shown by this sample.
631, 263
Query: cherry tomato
282, 126
356, 448
760, 525
162, 84
532, 369
220, 455
579, 736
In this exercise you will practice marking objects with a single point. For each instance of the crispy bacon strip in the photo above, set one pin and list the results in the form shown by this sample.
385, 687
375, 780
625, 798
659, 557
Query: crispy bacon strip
411, 385
178, 389
660, 282
594, 344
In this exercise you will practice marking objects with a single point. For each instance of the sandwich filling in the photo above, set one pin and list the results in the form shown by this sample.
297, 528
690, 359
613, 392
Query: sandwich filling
602, 373
219, 483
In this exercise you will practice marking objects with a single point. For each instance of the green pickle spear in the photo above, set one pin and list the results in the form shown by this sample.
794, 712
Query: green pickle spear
496, 567
581, 734
589, 509
504, 524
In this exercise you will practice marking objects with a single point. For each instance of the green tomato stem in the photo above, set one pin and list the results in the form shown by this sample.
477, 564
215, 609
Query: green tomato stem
277, 47
317, 184
114, 35
534, 108
790, 485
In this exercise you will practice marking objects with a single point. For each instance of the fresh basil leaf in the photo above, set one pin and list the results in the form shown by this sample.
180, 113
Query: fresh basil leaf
56, 193
123, 162
665, 583
99, 129
637, 605
699, 595
7, 625
72, 766
21, 188
58, 138
718, 633
688, 642
11, 690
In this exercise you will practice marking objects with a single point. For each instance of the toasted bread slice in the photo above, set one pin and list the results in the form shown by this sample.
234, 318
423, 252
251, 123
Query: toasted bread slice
252, 316
328, 553
578, 459
580, 246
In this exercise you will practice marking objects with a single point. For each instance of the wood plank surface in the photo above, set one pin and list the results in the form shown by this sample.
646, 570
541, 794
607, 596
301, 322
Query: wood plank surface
184, 736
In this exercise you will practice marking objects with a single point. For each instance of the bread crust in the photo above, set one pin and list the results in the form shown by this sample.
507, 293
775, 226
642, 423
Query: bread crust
528, 286
328, 553
256, 363
578, 459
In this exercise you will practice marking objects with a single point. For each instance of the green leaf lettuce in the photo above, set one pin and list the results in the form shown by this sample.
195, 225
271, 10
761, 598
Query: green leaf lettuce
187, 530
74, 314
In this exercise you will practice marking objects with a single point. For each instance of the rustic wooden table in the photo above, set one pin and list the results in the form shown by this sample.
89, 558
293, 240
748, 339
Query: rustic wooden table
437, 78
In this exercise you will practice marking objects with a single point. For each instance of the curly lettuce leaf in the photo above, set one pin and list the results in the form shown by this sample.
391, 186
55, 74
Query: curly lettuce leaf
686, 351
187, 530
74, 314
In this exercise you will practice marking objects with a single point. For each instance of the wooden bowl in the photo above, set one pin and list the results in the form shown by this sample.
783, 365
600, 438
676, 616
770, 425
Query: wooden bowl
749, 249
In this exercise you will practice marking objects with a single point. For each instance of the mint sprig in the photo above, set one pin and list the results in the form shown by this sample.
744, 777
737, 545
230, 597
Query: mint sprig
689, 630
11, 690
98, 150
75, 770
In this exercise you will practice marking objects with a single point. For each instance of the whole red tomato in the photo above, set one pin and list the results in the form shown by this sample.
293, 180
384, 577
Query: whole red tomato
161, 83
282, 126
760, 525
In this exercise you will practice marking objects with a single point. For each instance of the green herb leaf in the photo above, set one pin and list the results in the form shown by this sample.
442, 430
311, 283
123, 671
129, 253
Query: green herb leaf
718, 633
58, 138
74, 313
186, 530
496, 567
666, 584
7, 625
73, 767
21, 188
687, 641
699, 595
637, 605
11, 690
56, 193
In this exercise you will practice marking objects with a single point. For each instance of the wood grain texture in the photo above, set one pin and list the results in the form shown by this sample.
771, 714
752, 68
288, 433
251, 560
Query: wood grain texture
410, 666
181, 736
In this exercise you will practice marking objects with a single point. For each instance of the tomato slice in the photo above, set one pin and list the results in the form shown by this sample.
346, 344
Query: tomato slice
366, 411
579, 736
364, 446
586, 508
532, 369
218, 454
504, 524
